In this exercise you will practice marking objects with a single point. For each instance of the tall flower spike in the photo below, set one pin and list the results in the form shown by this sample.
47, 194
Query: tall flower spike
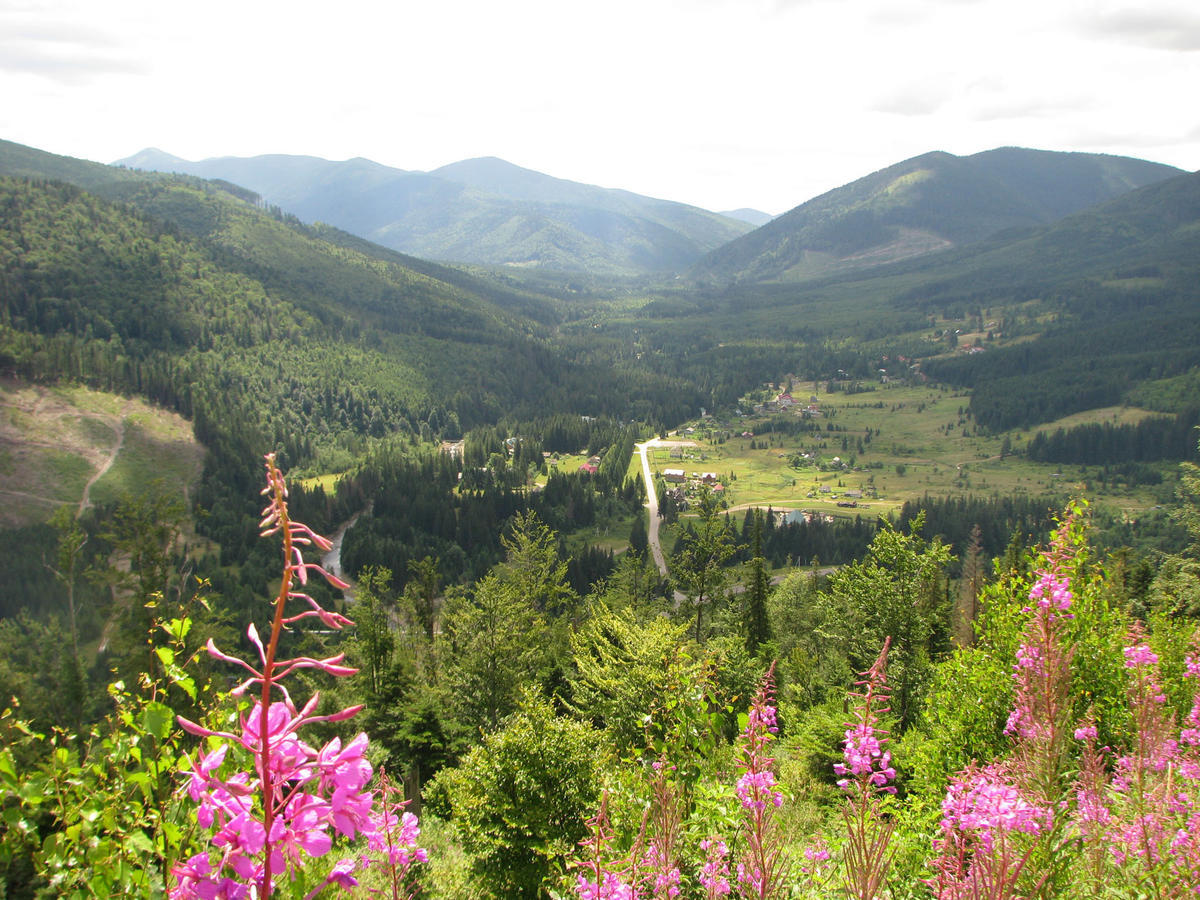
994, 816
1039, 720
762, 867
867, 773
600, 876
291, 802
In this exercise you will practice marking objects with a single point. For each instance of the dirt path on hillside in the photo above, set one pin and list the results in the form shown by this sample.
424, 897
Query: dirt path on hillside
34, 420
119, 425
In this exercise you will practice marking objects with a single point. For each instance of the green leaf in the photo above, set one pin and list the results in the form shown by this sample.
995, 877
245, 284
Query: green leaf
13, 818
157, 718
139, 842
8, 769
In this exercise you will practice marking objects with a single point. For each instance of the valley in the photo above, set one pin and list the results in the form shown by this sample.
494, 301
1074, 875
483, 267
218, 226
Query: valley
546, 454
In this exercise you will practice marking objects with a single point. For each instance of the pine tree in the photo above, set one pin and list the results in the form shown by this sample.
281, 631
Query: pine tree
758, 630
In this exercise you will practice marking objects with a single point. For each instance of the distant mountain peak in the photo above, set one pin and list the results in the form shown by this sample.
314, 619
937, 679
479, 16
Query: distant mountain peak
920, 205
151, 159
485, 210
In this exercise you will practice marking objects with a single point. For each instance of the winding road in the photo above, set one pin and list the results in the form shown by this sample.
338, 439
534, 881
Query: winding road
652, 498
652, 537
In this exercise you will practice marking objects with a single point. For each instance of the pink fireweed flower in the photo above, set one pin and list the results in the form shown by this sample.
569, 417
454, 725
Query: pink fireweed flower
868, 772
816, 858
1042, 667
1052, 592
609, 887
1140, 655
287, 806
864, 759
761, 868
988, 804
714, 876
600, 878
1191, 664
666, 877
982, 809
816, 853
864, 756
756, 789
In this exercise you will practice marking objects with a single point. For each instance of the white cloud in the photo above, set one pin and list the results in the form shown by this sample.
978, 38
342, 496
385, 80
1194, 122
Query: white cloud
65, 52
1161, 27
720, 103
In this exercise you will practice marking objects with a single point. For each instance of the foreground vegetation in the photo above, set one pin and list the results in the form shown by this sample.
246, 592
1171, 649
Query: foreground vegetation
560, 747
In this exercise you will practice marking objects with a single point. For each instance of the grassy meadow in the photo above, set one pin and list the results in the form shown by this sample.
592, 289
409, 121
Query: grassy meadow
893, 444
68, 445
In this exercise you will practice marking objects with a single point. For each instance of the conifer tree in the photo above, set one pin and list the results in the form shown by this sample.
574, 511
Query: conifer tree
757, 626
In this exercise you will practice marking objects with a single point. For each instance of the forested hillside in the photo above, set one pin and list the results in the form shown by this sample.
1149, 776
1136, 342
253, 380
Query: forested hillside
922, 205
482, 211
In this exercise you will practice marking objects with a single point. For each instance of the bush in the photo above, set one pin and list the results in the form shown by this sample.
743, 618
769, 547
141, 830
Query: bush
521, 799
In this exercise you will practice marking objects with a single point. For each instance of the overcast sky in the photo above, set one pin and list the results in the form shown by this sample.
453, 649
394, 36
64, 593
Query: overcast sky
718, 103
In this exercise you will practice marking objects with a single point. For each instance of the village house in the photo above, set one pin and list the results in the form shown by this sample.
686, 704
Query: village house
675, 476
677, 495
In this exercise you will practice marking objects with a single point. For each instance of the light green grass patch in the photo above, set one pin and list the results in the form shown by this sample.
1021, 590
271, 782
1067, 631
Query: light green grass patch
327, 483
146, 461
1112, 415
922, 441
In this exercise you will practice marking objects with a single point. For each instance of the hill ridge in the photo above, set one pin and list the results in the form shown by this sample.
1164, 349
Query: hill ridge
482, 211
936, 199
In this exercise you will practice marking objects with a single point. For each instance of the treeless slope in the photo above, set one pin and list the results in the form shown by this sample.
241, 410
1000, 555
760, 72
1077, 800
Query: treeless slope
71, 446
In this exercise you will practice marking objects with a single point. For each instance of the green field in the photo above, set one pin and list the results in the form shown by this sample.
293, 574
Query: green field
54, 441
893, 444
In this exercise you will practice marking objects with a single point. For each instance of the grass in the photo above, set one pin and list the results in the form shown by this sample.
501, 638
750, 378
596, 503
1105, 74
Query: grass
327, 482
921, 441
611, 535
53, 440
566, 463
149, 456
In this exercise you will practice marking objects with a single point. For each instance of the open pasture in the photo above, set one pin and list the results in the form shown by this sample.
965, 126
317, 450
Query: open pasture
885, 445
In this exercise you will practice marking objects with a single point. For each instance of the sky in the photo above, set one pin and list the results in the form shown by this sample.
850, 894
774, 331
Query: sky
718, 103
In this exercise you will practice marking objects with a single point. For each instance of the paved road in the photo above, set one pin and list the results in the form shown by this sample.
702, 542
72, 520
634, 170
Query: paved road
652, 537
656, 551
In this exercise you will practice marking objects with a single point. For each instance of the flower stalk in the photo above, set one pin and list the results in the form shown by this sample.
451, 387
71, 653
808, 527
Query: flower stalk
293, 800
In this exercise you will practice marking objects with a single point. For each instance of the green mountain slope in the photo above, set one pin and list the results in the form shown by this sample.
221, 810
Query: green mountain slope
255, 323
1110, 297
1097, 309
483, 211
922, 205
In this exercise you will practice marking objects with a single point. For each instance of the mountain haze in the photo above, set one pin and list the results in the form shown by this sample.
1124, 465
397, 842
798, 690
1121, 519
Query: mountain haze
755, 217
927, 203
483, 211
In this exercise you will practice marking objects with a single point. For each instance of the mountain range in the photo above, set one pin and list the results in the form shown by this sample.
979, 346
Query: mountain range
921, 205
481, 211
1091, 300
490, 212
